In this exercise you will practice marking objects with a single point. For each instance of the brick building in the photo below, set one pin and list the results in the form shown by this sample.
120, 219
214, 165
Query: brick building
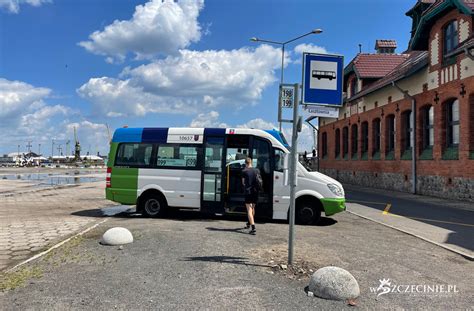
371, 142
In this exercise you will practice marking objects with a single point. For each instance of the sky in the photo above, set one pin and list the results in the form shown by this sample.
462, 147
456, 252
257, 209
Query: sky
89, 64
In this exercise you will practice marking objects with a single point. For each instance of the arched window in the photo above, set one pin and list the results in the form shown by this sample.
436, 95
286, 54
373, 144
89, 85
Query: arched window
390, 137
354, 141
365, 139
376, 137
337, 141
407, 129
450, 37
345, 142
471, 126
325, 144
451, 129
427, 127
452, 124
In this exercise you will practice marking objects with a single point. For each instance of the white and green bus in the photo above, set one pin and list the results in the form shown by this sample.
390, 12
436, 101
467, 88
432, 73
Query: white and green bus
158, 169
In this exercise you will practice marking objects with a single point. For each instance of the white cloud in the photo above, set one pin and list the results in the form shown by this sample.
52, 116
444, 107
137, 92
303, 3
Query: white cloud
308, 48
13, 6
26, 116
186, 83
157, 27
258, 124
38, 120
210, 119
16, 97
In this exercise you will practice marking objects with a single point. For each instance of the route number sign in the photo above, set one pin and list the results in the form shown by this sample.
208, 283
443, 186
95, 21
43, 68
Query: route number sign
287, 96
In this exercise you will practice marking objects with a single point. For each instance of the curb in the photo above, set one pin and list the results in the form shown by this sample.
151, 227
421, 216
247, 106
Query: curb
55, 246
463, 254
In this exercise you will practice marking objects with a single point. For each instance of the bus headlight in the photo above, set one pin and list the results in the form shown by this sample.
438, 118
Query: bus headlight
336, 190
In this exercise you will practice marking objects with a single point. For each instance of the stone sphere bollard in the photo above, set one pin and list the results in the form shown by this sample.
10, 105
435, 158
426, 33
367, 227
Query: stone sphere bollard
117, 236
334, 283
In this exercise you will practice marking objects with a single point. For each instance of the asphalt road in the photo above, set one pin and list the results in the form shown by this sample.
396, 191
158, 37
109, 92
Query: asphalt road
187, 262
456, 216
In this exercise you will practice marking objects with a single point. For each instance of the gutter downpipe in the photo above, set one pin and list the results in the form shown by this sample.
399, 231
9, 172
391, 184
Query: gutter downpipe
412, 136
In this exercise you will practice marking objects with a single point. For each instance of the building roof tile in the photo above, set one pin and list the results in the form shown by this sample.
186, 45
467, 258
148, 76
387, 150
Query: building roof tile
376, 65
413, 62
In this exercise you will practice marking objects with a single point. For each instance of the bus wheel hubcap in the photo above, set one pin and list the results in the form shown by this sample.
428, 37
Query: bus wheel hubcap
152, 206
306, 212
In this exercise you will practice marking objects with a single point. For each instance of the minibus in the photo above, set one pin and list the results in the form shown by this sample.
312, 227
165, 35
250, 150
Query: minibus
159, 169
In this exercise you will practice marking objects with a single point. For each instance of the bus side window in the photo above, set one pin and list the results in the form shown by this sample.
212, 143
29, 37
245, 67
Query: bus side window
279, 160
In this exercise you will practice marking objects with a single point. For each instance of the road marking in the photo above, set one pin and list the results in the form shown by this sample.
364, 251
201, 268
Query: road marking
387, 208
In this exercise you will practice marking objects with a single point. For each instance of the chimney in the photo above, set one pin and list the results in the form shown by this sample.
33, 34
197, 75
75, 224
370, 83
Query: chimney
385, 46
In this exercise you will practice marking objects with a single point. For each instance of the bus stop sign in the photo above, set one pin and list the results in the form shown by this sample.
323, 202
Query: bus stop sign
322, 79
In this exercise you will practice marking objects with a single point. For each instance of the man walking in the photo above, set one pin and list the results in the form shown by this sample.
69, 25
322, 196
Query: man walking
249, 180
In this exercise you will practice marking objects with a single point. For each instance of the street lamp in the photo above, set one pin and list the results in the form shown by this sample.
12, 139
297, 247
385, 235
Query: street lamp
255, 39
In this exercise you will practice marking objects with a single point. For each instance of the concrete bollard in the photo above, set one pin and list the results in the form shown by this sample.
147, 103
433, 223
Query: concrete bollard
334, 283
117, 236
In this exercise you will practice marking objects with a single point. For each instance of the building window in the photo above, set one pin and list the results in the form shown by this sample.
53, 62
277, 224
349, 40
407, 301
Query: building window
450, 37
452, 124
365, 139
353, 86
428, 130
390, 137
376, 124
337, 143
471, 126
325, 144
345, 141
354, 141
407, 129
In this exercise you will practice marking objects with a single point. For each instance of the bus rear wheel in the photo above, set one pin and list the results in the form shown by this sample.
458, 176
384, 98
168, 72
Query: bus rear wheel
307, 213
152, 206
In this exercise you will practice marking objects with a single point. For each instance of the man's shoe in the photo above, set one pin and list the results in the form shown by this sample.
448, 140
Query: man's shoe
247, 226
253, 232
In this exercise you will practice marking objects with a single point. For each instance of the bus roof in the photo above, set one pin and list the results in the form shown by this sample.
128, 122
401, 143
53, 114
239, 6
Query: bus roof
188, 134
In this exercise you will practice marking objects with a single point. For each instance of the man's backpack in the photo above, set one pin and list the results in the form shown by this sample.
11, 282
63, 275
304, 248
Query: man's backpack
259, 181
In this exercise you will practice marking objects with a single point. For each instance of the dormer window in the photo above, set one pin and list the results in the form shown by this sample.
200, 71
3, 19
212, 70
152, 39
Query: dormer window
450, 37
353, 87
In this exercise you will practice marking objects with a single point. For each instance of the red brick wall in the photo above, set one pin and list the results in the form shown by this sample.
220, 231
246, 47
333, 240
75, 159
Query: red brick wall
463, 167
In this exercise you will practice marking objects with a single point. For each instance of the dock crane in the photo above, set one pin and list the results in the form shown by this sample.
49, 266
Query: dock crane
77, 147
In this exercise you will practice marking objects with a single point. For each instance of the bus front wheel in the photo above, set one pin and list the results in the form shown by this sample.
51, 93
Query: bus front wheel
152, 205
307, 213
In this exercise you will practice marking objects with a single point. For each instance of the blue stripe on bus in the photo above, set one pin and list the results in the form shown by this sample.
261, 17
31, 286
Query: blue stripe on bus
214, 132
155, 135
130, 135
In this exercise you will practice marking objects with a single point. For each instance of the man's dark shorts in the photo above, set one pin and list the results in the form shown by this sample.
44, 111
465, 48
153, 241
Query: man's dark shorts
251, 198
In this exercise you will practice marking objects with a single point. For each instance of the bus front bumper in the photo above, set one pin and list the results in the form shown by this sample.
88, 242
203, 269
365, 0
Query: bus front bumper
333, 206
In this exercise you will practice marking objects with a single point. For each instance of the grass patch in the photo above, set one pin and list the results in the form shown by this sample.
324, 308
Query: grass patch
13, 280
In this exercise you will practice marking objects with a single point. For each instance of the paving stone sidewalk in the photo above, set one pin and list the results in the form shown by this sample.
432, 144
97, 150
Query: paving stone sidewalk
31, 221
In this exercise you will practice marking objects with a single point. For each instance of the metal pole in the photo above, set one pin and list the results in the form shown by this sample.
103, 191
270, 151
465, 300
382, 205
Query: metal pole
281, 81
318, 155
293, 170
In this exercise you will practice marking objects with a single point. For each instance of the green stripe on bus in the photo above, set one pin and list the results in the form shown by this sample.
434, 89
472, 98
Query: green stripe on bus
113, 151
333, 206
124, 181
124, 184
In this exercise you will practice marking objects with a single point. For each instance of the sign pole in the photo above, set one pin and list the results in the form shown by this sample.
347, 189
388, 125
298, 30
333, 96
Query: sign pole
293, 170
